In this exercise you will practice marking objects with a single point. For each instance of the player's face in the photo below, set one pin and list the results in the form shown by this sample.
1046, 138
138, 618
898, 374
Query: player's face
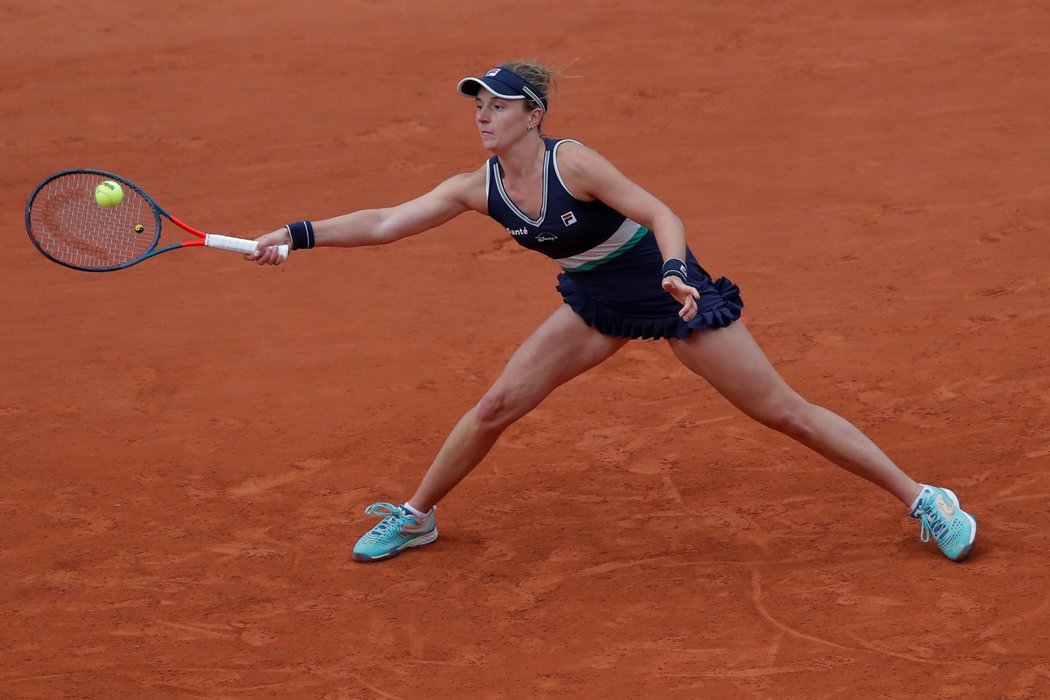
500, 122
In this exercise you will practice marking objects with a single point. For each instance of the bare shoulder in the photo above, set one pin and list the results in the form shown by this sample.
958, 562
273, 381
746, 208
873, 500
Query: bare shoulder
584, 170
573, 154
467, 188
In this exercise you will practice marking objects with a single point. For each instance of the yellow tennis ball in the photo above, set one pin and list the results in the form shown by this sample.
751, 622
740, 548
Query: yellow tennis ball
109, 194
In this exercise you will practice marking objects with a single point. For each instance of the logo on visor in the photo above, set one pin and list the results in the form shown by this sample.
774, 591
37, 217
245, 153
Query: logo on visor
492, 72
568, 218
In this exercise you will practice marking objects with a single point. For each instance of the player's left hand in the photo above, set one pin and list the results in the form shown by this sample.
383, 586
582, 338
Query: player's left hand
684, 295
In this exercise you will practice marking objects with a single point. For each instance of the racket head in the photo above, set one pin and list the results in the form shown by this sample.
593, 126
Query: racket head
69, 227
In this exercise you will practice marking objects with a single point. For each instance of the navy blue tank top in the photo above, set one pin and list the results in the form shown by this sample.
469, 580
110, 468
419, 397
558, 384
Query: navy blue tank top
577, 234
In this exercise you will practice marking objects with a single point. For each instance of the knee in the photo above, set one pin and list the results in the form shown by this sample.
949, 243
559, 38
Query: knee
498, 408
794, 419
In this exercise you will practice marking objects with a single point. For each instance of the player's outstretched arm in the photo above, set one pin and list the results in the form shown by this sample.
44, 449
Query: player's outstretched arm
456, 195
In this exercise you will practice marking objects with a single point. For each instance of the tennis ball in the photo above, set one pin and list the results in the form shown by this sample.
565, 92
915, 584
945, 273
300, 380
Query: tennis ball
109, 194
139, 228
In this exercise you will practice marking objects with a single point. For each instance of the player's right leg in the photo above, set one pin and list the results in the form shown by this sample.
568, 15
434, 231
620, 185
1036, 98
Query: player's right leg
562, 347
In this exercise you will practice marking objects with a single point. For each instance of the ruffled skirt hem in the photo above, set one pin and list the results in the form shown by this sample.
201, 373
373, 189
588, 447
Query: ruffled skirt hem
720, 304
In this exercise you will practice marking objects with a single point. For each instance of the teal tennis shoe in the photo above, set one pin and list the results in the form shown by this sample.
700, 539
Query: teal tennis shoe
941, 518
397, 531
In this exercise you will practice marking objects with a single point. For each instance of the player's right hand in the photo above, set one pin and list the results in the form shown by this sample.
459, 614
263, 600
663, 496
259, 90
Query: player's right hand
267, 253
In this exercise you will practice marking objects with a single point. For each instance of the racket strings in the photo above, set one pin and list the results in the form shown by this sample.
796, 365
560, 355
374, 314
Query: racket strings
70, 226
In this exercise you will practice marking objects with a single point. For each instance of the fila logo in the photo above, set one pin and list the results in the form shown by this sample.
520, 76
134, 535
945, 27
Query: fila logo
568, 218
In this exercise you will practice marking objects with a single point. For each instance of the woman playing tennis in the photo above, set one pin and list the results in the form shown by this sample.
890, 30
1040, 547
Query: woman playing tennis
626, 274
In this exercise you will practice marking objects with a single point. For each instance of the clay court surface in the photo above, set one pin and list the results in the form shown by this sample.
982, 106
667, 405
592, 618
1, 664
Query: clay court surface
188, 445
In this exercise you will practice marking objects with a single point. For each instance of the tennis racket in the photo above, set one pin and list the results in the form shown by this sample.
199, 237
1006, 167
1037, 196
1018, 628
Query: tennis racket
70, 227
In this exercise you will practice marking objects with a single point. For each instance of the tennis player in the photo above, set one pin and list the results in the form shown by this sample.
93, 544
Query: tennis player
626, 273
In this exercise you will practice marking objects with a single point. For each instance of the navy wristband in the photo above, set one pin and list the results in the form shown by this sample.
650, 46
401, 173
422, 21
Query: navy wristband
674, 268
301, 233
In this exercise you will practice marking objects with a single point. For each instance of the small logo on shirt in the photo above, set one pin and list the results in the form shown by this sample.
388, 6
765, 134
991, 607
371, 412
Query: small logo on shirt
518, 231
544, 237
568, 218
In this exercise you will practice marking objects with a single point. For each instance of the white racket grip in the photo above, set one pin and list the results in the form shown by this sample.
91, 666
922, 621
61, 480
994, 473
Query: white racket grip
239, 245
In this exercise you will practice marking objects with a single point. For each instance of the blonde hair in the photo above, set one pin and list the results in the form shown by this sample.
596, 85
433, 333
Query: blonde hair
541, 77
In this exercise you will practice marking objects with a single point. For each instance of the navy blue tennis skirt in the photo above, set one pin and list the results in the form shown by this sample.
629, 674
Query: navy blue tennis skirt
623, 298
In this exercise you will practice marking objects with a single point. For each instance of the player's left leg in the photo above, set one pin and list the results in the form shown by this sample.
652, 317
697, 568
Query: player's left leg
732, 362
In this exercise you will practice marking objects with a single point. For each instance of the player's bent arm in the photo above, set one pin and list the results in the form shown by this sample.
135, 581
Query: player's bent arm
589, 175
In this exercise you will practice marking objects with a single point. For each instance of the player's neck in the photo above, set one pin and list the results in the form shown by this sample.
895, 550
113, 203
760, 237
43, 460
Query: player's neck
524, 159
